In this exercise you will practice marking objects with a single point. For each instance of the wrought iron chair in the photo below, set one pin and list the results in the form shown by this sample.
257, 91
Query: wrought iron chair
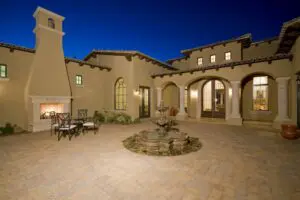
65, 126
88, 123
54, 122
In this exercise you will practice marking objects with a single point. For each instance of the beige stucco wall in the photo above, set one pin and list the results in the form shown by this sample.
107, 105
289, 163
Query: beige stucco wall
296, 52
262, 49
12, 104
91, 94
219, 51
247, 102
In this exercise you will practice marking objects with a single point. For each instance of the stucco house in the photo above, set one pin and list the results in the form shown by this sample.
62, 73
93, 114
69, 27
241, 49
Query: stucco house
237, 80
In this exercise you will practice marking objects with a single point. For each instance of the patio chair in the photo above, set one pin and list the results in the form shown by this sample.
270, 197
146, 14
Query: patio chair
65, 125
54, 122
88, 123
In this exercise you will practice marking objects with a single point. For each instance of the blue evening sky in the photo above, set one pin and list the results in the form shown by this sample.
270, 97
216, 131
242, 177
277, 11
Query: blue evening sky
158, 28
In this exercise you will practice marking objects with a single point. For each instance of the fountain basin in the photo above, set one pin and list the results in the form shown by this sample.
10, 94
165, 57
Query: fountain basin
152, 142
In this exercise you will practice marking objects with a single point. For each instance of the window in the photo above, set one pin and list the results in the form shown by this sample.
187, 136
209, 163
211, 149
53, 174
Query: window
3, 71
213, 58
228, 55
78, 80
51, 23
200, 61
185, 97
120, 95
260, 93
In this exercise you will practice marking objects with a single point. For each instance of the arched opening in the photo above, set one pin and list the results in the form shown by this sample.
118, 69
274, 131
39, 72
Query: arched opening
51, 23
213, 99
258, 97
170, 97
120, 95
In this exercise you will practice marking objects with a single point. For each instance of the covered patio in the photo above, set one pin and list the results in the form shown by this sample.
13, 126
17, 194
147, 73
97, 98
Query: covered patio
235, 162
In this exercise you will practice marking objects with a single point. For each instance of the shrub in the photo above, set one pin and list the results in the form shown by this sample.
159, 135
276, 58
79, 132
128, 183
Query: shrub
114, 117
7, 129
99, 117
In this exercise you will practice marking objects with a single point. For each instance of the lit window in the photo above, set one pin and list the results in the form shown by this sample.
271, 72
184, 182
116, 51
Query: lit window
260, 93
3, 71
120, 95
200, 61
228, 56
213, 58
185, 97
51, 23
78, 80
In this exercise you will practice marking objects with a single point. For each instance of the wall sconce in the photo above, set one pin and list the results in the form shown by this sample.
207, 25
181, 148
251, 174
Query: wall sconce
230, 92
136, 92
194, 94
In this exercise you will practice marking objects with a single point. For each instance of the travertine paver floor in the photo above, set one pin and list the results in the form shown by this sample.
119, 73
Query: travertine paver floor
234, 163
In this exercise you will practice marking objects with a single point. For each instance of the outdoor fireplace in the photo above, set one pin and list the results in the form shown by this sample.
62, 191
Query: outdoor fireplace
39, 118
46, 108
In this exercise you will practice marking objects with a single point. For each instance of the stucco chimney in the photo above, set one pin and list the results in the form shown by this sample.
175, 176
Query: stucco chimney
48, 81
48, 74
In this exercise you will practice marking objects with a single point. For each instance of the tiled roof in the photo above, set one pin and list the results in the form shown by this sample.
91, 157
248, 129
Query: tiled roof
290, 31
13, 47
230, 64
245, 39
81, 62
131, 53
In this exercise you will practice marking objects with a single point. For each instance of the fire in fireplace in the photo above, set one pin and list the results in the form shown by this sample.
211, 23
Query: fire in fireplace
46, 108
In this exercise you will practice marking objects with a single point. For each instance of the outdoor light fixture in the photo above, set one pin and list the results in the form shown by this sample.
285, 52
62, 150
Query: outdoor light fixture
194, 93
230, 92
136, 92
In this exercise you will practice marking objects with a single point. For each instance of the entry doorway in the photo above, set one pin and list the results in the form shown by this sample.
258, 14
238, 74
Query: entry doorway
213, 99
144, 101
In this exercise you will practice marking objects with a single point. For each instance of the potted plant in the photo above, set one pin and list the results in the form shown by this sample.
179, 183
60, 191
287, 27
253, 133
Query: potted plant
289, 131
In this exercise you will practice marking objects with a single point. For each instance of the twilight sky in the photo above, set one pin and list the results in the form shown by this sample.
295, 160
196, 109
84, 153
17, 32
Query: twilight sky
158, 28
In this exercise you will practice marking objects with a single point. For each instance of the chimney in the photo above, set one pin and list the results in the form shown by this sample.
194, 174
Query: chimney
48, 75
48, 87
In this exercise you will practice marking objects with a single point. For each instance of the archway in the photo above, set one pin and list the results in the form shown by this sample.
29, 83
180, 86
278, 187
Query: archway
170, 97
213, 99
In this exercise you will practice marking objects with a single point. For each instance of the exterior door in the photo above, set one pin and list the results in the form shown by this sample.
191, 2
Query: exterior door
213, 99
144, 102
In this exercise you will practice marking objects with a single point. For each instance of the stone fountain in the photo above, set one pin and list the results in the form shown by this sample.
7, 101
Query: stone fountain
164, 140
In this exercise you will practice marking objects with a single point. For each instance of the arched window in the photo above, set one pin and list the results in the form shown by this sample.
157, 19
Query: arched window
51, 23
260, 93
120, 95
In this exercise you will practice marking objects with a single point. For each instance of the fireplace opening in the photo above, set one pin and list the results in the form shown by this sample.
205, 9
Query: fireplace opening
46, 108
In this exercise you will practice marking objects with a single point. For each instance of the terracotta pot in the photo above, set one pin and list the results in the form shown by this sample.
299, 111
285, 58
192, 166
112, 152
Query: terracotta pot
289, 131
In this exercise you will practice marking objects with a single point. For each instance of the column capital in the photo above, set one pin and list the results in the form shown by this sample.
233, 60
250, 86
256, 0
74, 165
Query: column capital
235, 82
158, 88
181, 86
282, 79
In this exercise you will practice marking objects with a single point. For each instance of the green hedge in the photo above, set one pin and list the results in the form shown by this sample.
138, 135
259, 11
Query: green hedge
114, 117
7, 129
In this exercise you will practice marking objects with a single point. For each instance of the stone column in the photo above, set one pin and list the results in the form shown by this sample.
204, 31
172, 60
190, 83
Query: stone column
282, 113
199, 100
235, 117
182, 114
158, 95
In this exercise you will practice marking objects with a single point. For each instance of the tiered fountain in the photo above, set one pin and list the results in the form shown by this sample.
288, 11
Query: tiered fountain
164, 140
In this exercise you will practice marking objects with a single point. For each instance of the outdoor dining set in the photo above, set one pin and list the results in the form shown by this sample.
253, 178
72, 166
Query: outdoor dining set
64, 124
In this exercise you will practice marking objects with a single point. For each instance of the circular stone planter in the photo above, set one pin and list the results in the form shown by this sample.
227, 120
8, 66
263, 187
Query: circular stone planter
289, 131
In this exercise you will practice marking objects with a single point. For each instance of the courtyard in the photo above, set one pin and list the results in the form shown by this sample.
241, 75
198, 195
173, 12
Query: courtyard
233, 163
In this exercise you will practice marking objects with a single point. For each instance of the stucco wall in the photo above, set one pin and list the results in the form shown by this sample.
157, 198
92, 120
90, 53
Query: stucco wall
12, 104
247, 102
260, 49
91, 94
219, 51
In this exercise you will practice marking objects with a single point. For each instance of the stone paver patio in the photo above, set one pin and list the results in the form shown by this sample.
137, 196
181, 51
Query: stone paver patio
234, 163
